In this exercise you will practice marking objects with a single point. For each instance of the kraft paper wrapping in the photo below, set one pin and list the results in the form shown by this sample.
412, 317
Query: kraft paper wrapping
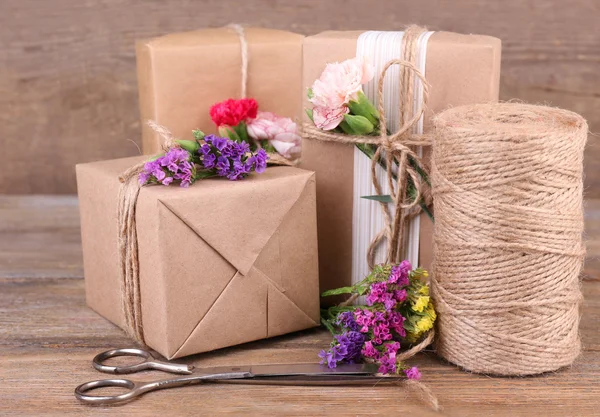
461, 69
221, 263
181, 75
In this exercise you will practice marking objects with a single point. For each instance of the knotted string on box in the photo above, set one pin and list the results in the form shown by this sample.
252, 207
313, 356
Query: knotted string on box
129, 265
128, 195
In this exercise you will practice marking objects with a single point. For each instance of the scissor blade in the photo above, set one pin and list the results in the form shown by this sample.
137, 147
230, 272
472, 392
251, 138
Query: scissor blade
316, 380
296, 369
313, 369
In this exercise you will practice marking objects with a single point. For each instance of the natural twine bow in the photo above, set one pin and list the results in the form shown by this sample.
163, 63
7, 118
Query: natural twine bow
394, 150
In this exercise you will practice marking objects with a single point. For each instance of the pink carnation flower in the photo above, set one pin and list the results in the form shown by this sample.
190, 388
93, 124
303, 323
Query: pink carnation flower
339, 83
328, 119
281, 132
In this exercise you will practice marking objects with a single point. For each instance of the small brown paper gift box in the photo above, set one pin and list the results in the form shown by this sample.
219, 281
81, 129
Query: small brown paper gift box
460, 69
181, 75
221, 263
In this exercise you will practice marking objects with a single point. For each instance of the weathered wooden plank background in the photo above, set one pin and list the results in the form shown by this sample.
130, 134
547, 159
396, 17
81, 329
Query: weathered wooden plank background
68, 91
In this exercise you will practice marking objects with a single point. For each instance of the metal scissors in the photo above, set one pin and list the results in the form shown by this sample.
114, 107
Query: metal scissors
284, 374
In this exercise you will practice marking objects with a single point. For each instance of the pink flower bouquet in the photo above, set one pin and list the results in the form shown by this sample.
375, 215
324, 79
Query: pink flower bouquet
240, 120
340, 106
338, 100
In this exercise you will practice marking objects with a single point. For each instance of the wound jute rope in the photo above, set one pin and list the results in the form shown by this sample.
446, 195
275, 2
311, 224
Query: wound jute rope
507, 183
128, 194
394, 150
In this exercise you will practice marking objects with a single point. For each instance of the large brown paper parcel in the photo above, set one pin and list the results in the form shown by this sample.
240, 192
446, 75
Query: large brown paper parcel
221, 263
461, 69
181, 75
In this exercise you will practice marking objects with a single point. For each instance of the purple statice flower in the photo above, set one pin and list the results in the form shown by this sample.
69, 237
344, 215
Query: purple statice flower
346, 348
352, 343
174, 165
381, 332
389, 301
327, 358
346, 319
210, 161
392, 347
217, 141
230, 159
387, 360
396, 323
380, 293
223, 165
333, 356
369, 351
365, 319
399, 274
235, 150
260, 161
387, 363
413, 373
400, 295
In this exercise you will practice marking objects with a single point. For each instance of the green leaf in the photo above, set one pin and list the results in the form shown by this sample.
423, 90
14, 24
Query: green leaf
189, 145
338, 291
266, 145
228, 131
201, 175
198, 134
363, 289
328, 325
309, 93
359, 125
309, 113
155, 157
369, 150
364, 107
381, 198
242, 131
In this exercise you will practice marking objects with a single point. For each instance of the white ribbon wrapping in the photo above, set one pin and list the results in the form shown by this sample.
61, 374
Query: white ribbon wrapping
367, 217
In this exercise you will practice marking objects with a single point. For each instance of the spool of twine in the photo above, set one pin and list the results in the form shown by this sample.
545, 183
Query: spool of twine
508, 250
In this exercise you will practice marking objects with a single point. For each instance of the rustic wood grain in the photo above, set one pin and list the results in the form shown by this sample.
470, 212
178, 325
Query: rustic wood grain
40, 237
67, 67
48, 337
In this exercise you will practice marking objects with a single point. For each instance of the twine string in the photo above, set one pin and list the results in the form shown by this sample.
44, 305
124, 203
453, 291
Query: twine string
244, 55
507, 181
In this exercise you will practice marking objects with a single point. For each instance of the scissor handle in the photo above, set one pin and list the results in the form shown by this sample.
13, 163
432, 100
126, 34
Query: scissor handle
137, 389
149, 362
81, 391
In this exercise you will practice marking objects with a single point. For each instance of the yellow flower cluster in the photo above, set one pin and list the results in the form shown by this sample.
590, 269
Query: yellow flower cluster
424, 322
421, 303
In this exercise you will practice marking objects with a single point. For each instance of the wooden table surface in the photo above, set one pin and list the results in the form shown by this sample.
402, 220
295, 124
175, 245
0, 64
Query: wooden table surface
48, 338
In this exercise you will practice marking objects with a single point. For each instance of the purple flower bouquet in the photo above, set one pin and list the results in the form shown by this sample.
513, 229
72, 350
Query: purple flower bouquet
398, 313
207, 156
